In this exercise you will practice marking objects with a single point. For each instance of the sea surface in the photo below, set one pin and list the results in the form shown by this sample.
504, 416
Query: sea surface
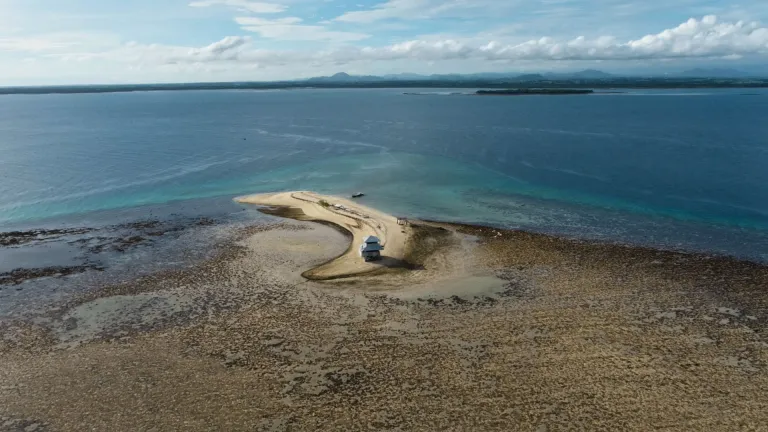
675, 169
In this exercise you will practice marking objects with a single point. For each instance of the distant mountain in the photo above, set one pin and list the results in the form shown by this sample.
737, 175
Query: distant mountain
341, 76
585, 74
713, 73
511, 77
345, 77
477, 76
448, 77
591, 74
530, 77
405, 77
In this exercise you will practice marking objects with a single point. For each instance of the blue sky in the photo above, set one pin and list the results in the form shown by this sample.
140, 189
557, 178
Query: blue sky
109, 41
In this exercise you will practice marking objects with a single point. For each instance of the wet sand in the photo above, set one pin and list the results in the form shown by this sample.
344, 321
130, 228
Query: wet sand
488, 330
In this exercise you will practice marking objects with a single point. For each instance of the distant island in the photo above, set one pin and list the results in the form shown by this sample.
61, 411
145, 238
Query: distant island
533, 91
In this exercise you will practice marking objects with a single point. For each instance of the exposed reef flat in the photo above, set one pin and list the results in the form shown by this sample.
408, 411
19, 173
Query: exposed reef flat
488, 330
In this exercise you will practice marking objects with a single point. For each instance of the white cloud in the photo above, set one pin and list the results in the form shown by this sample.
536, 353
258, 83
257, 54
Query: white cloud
704, 38
701, 38
406, 10
228, 49
390, 9
242, 5
290, 28
34, 44
286, 28
228, 46
422, 9
692, 39
58, 42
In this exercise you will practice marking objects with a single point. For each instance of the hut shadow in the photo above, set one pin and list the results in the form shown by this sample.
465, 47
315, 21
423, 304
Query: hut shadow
391, 262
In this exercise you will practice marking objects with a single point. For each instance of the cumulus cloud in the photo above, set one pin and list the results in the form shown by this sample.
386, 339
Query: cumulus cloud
702, 38
290, 28
220, 49
228, 50
696, 38
242, 5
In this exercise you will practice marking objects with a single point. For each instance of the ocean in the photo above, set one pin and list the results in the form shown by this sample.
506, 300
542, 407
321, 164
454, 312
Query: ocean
678, 169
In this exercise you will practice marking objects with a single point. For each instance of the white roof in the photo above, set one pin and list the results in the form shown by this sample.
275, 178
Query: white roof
373, 247
372, 239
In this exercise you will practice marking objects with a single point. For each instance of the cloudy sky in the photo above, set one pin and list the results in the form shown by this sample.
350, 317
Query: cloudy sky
119, 41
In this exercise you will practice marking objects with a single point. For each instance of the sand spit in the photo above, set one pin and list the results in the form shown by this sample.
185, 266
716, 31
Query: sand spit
358, 220
578, 336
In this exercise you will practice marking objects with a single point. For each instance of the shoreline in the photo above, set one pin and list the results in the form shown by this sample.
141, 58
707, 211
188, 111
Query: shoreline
36, 238
12, 277
617, 82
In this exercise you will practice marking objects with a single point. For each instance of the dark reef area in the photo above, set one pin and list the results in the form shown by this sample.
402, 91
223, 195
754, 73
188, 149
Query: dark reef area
532, 91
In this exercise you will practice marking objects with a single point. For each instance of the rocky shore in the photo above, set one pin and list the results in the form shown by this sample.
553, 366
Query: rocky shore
90, 244
487, 330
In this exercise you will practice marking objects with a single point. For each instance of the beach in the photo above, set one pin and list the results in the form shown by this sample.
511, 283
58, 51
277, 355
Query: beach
359, 221
465, 328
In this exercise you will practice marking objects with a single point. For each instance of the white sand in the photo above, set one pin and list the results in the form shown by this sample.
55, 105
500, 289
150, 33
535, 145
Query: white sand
361, 221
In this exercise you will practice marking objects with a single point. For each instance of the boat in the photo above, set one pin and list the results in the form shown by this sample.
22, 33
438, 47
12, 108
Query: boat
358, 195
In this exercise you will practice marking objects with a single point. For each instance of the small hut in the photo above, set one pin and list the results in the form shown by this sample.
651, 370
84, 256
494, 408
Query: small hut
371, 249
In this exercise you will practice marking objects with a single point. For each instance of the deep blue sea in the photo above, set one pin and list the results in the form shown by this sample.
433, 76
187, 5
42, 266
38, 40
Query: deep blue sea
677, 169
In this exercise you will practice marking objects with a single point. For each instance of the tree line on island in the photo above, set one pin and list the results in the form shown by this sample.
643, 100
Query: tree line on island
533, 91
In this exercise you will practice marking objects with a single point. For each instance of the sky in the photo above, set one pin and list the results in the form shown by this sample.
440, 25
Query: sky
142, 41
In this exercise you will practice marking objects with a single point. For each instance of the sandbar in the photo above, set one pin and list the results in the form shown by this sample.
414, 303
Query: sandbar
358, 220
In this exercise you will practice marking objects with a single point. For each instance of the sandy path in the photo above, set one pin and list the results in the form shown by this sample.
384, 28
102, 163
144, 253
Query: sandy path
360, 220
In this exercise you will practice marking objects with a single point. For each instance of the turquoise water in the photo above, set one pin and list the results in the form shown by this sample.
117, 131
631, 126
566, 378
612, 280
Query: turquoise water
675, 169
